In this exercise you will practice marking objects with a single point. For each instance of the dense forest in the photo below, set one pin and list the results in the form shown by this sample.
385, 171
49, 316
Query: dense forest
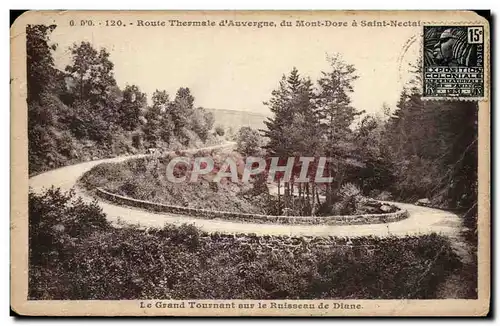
419, 149
81, 114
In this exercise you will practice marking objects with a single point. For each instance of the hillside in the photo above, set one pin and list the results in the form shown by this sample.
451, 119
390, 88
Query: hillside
237, 119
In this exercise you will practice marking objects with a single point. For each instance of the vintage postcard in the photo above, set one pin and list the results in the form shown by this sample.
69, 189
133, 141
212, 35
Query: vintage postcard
250, 163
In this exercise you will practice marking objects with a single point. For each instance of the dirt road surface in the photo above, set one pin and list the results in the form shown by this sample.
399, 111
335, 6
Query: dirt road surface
422, 220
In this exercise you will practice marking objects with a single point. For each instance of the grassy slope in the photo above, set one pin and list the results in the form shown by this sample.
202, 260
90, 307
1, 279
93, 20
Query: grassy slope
146, 179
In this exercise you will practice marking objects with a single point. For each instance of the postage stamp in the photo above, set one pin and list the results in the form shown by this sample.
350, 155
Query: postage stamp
453, 63
250, 163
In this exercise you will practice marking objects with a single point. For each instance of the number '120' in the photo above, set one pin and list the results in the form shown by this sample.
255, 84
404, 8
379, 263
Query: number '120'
114, 23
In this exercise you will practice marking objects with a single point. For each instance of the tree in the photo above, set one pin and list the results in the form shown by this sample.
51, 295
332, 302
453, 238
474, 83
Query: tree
93, 79
376, 171
83, 62
430, 155
86, 123
305, 126
219, 130
280, 105
97, 99
294, 129
152, 127
337, 116
209, 120
45, 110
161, 100
248, 141
39, 61
202, 122
131, 107
181, 109
162, 109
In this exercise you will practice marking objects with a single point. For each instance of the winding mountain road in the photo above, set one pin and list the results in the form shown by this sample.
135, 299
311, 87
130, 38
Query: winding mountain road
421, 220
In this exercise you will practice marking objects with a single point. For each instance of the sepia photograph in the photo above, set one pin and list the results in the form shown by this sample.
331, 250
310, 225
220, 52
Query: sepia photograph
250, 163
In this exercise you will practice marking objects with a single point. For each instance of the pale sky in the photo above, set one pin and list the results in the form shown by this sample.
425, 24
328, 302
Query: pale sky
237, 68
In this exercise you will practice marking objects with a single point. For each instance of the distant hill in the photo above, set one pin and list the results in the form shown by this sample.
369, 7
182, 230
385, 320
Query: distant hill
237, 119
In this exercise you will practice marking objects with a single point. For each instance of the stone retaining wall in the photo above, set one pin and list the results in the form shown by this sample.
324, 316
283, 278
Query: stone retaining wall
254, 218
271, 243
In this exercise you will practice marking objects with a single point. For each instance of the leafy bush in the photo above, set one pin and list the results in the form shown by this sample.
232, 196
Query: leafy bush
219, 130
349, 190
248, 141
57, 220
